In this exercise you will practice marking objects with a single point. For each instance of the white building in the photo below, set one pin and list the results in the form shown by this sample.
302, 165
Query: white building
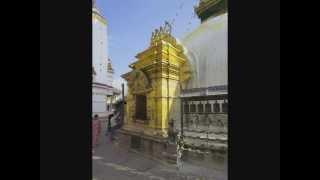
102, 71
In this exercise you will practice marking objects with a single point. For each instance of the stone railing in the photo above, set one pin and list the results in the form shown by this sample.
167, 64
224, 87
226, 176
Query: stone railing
205, 122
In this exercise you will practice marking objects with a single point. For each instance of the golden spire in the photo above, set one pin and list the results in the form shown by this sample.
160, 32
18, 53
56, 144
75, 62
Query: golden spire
210, 8
109, 67
163, 33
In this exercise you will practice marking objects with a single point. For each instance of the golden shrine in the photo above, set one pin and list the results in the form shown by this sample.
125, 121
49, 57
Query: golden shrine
154, 86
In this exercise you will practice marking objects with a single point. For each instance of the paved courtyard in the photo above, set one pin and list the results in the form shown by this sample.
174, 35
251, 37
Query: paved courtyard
110, 162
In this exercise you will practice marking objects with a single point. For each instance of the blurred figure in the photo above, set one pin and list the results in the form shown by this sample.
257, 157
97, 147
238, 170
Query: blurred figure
114, 120
110, 126
109, 123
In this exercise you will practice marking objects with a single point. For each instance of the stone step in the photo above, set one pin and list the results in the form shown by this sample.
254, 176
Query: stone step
170, 161
172, 148
170, 156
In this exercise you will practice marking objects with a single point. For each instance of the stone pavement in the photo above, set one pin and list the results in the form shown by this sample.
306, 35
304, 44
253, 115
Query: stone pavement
110, 162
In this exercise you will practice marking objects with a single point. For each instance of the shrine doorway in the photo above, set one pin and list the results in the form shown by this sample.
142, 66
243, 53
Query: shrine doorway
141, 107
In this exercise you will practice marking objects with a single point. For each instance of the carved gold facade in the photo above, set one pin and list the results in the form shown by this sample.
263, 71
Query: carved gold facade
158, 74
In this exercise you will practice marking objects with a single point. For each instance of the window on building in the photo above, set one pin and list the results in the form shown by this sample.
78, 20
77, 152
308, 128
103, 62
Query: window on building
200, 108
192, 108
208, 107
141, 107
225, 107
216, 107
186, 108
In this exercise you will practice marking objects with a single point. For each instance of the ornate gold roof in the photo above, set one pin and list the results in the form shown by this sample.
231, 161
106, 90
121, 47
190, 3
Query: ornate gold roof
209, 8
96, 14
163, 34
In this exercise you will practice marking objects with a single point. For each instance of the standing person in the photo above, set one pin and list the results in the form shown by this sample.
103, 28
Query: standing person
110, 128
109, 123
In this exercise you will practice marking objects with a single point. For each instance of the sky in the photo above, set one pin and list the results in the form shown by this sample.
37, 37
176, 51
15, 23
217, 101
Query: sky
131, 22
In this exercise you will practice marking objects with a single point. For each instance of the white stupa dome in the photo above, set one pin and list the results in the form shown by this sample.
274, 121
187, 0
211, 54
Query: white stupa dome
207, 52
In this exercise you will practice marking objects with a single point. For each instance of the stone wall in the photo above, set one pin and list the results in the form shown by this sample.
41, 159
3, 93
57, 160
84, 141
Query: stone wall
160, 150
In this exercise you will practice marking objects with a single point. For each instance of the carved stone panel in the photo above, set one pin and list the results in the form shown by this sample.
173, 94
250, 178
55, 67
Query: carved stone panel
138, 82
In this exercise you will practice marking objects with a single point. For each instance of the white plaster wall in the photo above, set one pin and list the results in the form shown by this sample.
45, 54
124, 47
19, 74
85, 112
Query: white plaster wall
99, 62
100, 50
99, 100
98, 104
110, 79
207, 51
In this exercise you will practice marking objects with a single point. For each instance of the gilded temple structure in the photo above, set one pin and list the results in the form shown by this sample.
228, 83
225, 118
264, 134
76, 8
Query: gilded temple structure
153, 92
181, 88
